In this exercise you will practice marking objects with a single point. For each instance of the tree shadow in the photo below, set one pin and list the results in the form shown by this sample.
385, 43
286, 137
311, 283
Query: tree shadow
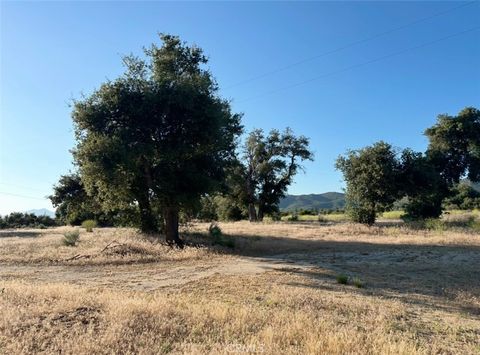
20, 233
435, 276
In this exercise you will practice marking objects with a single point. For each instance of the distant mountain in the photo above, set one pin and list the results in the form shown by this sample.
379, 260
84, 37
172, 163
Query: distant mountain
327, 200
42, 212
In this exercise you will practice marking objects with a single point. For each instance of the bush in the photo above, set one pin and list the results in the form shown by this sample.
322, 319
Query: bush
357, 282
342, 279
71, 238
218, 238
276, 216
362, 214
435, 224
293, 217
89, 224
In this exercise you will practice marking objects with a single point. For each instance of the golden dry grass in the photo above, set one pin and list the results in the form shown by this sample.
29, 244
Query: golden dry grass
274, 293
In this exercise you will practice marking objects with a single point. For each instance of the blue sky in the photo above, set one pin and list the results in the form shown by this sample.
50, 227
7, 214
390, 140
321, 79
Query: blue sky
52, 52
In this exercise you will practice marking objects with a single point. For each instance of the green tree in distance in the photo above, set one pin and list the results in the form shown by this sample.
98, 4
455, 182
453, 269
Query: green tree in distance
72, 203
371, 175
158, 137
267, 168
454, 145
453, 153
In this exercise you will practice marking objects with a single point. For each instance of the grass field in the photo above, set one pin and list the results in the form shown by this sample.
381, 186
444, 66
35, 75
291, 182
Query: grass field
407, 291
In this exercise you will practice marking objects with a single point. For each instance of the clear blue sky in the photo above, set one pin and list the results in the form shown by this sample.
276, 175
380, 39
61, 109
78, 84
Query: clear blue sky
52, 52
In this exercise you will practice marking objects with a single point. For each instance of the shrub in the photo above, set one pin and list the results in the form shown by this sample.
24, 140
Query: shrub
435, 224
71, 238
357, 282
214, 230
293, 217
361, 214
321, 219
276, 216
342, 279
218, 238
474, 225
89, 224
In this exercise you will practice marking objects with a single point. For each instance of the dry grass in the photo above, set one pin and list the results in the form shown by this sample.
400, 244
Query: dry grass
103, 246
421, 294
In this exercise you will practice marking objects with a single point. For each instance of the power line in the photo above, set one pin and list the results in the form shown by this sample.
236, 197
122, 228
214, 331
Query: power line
352, 44
426, 44
23, 196
22, 187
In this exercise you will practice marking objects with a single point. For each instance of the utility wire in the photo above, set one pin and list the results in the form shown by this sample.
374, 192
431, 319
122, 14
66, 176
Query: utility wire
24, 196
352, 44
394, 54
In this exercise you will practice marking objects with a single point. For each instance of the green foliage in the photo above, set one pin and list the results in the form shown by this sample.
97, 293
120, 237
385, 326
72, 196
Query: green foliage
342, 279
71, 238
293, 217
276, 216
435, 224
267, 168
208, 209
393, 214
371, 175
423, 186
218, 238
474, 224
220, 207
357, 282
463, 196
454, 145
89, 224
25, 220
74, 205
158, 137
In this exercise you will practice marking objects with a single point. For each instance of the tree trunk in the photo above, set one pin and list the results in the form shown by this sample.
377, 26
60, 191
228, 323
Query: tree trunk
171, 227
261, 207
252, 213
147, 221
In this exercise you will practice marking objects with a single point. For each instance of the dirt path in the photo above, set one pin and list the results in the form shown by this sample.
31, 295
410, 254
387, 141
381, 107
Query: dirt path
396, 267
140, 276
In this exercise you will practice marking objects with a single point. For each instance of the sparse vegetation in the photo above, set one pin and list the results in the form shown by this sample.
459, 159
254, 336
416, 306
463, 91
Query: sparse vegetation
357, 282
342, 279
89, 224
293, 217
71, 238
218, 238
282, 297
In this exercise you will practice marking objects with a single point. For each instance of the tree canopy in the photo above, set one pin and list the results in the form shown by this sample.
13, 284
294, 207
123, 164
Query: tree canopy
371, 174
454, 145
266, 169
158, 137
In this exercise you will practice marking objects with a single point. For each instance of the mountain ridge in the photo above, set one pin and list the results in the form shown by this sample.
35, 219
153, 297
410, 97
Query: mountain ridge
327, 200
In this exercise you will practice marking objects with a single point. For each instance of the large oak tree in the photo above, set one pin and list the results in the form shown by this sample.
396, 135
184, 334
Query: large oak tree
157, 138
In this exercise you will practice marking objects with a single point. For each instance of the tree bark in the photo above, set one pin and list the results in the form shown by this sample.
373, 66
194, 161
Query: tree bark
147, 221
171, 227
252, 213
261, 207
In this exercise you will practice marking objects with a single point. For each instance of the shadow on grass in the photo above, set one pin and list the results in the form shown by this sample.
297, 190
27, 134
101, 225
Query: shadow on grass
427, 275
20, 233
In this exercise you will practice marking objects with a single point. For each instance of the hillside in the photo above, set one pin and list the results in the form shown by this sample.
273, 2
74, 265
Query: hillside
327, 200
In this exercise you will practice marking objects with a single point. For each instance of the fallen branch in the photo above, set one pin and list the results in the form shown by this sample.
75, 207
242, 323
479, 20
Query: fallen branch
78, 256
112, 244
